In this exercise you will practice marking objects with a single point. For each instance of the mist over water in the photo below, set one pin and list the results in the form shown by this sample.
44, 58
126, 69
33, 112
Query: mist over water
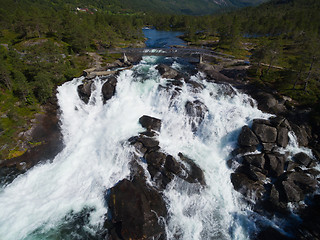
65, 198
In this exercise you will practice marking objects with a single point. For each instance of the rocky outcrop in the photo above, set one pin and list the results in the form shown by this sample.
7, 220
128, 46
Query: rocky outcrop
109, 88
167, 72
163, 168
135, 209
247, 138
267, 102
84, 91
264, 132
150, 123
213, 73
197, 111
271, 177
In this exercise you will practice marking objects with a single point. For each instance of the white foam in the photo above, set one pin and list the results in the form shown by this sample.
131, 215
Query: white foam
96, 157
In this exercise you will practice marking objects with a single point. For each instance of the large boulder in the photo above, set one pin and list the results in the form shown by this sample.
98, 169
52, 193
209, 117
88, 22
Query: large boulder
212, 73
247, 187
268, 103
301, 134
197, 111
150, 123
303, 159
265, 133
84, 91
156, 160
109, 89
295, 185
256, 160
135, 211
167, 72
252, 172
292, 192
247, 138
306, 183
195, 174
282, 138
275, 164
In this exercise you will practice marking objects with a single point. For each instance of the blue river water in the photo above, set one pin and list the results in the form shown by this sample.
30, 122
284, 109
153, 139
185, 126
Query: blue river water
162, 39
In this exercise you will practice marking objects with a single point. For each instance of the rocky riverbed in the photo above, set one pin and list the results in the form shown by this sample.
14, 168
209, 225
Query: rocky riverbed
272, 180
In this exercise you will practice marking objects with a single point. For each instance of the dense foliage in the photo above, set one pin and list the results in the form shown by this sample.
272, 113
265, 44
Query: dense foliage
43, 44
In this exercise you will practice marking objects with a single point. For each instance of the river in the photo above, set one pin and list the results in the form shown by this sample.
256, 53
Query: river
162, 39
65, 198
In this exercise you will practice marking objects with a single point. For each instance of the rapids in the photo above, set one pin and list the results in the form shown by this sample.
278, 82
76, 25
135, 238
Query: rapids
65, 198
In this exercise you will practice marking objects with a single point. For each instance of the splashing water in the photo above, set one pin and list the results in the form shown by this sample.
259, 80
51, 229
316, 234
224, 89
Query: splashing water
64, 199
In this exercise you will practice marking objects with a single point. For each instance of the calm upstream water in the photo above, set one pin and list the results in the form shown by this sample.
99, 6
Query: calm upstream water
65, 198
162, 39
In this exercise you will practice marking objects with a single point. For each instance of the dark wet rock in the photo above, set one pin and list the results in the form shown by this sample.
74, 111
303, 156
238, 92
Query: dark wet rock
275, 164
195, 85
197, 111
272, 233
166, 71
274, 197
303, 159
84, 91
314, 173
177, 83
268, 147
109, 89
265, 133
140, 148
268, 103
290, 165
306, 183
262, 121
247, 138
195, 174
212, 73
172, 165
301, 134
150, 123
155, 161
282, 138
280, 122
252, 172
256, 160
247, 187
227, 91
243, 150
135, 209
295, 185
148, 133
292, 192
148, 142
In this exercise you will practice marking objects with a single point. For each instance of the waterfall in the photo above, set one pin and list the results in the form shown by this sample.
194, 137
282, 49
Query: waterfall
65, 198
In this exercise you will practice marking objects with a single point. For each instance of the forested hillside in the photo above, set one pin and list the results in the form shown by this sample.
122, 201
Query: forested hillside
43, 44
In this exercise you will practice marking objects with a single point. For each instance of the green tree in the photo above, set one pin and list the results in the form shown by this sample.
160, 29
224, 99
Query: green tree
43, 86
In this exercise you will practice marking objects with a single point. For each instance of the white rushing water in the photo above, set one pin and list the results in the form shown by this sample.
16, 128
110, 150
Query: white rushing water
44, 202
